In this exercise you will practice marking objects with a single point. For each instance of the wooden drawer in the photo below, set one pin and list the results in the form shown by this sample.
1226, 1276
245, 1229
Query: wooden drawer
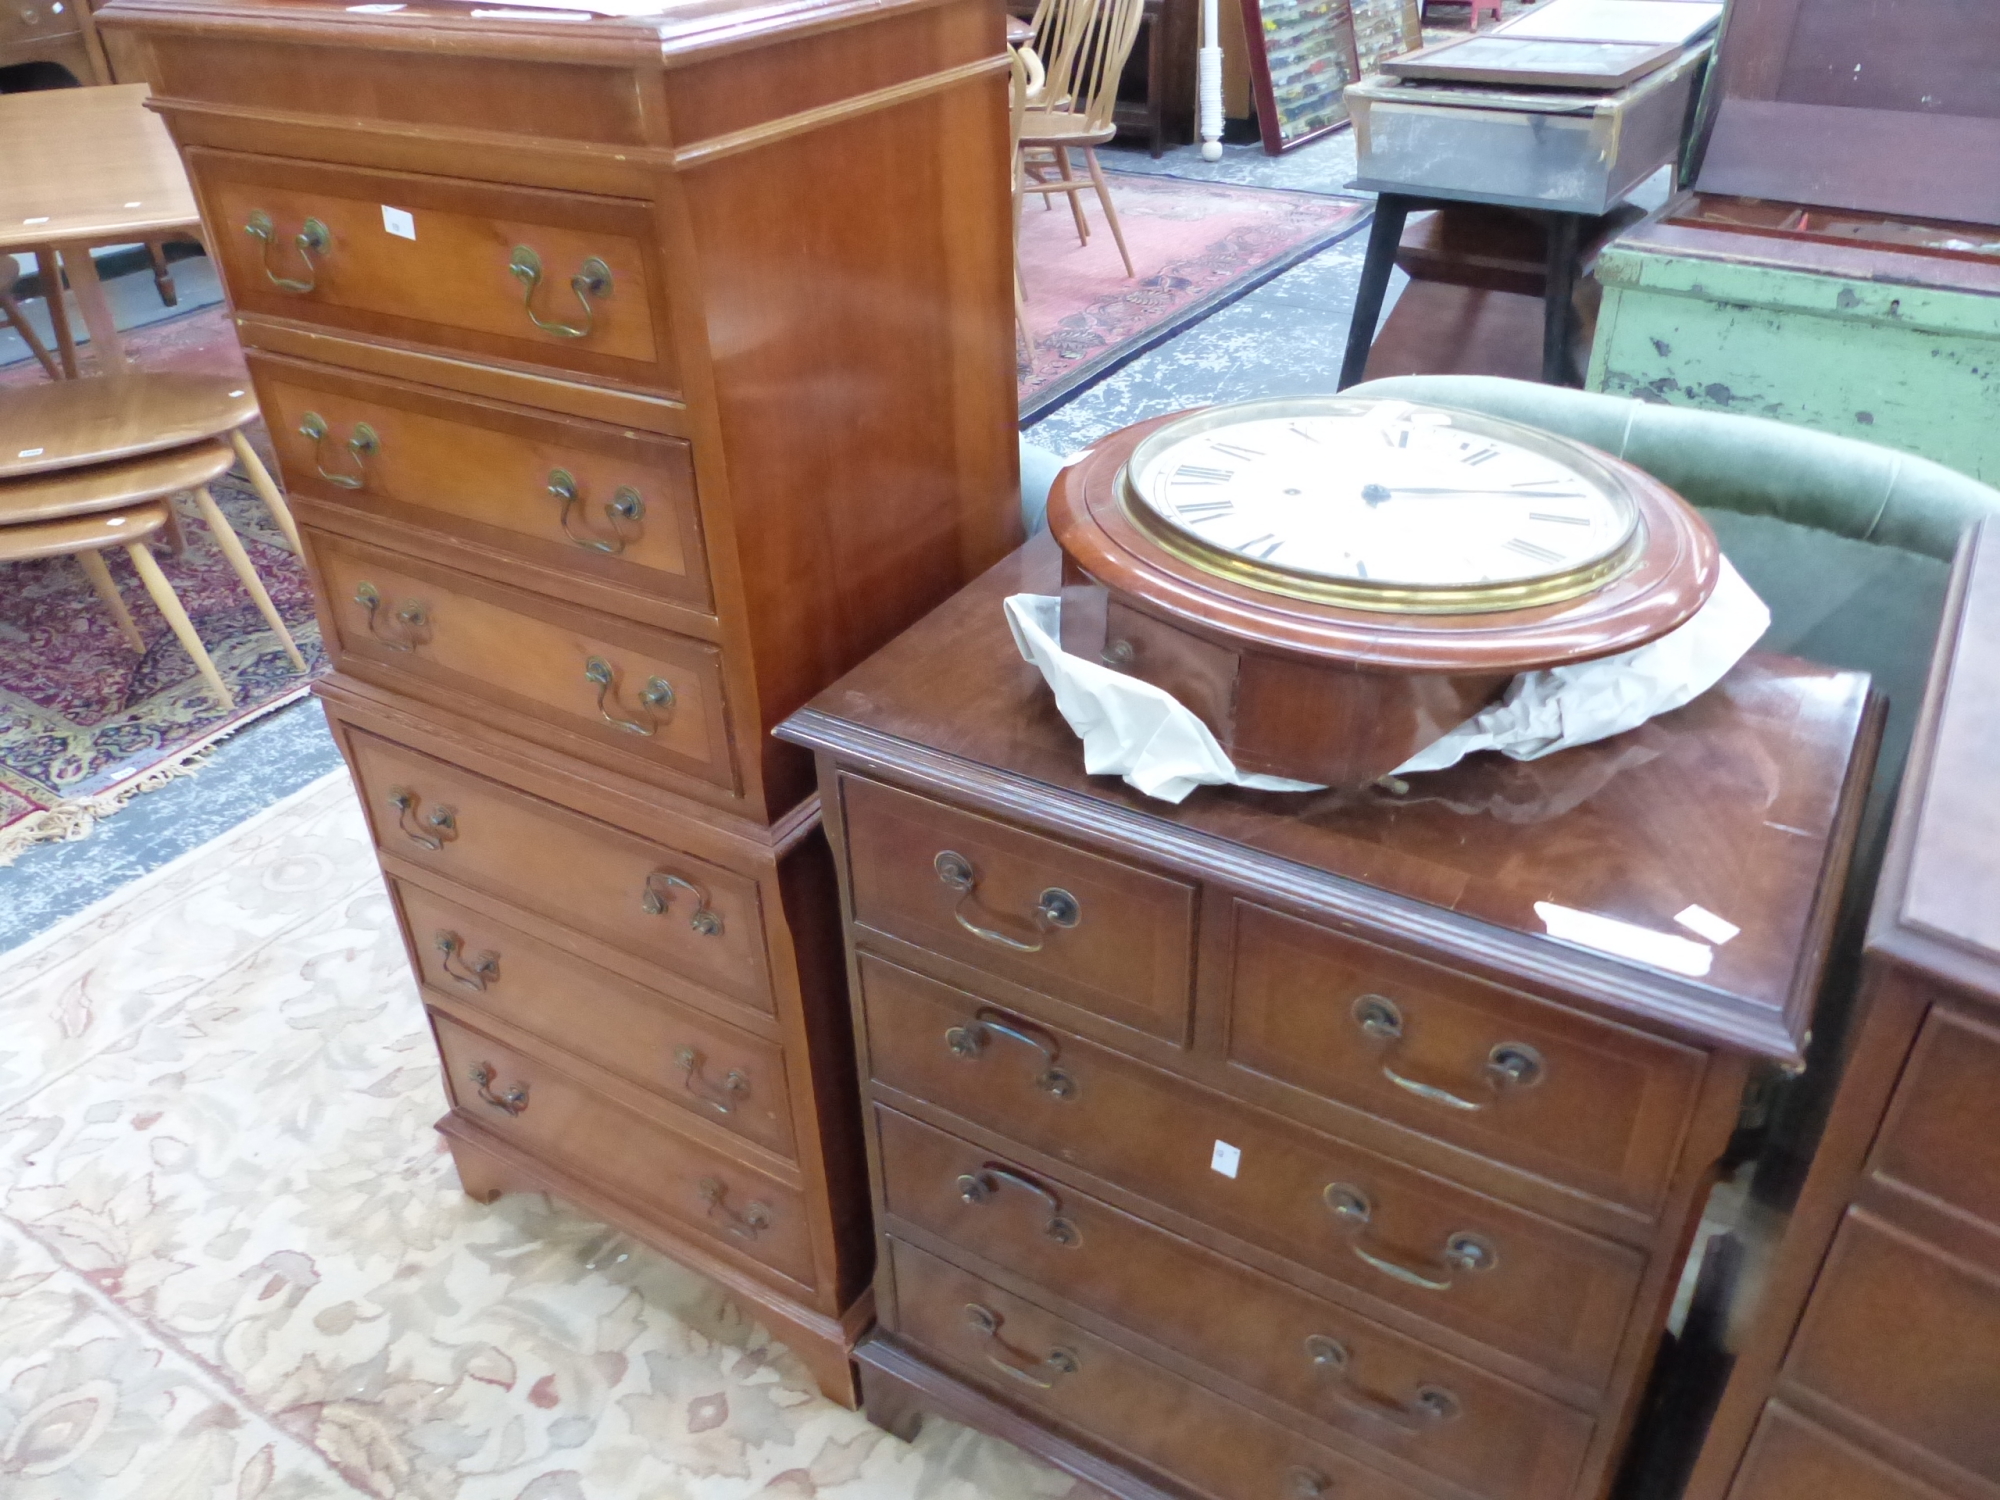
1206, 1443
703, 1065
621, 694
449, 279
543, 1111
23, 21
1352, 1373
567, 497
1585, 1102
1907, 1339
1793, 1459
1942, 1134
588, 876
1526, 1285
1104, 936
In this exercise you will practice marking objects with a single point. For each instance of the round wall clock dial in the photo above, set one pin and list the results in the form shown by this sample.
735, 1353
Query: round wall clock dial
1333, 582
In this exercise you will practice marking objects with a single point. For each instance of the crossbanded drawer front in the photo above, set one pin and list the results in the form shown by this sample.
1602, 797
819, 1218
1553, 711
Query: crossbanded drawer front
1471, 1063
1908, 1339
1372, 1383
621, 694
701, 1064
562, 280
1027, 1355
1792, 1459
1094, 933
564, 495
540, 1109
632, 896
1528, 1286
1942, 1135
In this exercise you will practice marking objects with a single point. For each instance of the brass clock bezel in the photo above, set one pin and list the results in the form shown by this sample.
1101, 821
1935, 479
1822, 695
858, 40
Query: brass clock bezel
1386, 597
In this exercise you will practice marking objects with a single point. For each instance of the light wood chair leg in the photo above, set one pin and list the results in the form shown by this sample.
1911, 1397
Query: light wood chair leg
163, 274
267, 490
1075, 202
239, 560
52, 294
10, 310
99, 575
106, 348
1110, 213
183, 628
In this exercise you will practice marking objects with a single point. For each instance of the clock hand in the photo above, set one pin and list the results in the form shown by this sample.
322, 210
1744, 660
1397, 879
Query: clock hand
1375, 494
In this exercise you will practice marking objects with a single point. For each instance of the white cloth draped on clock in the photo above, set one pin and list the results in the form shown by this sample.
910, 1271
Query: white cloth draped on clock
1132, 729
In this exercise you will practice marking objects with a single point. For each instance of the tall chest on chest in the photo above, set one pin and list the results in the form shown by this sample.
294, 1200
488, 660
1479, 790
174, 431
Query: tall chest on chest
1268, 1146
631, 380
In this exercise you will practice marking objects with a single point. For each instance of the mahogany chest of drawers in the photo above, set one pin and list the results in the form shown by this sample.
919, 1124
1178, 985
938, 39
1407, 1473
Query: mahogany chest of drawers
1871, 1367
632, 379
1266, 1145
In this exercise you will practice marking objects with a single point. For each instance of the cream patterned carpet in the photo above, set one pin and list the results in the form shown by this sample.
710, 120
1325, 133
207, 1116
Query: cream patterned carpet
235, 1263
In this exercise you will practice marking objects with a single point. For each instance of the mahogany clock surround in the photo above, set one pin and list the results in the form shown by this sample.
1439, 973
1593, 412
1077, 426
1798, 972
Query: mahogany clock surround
1322, 692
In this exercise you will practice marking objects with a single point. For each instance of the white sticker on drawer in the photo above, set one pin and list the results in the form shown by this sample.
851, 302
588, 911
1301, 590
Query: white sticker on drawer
1225, 1158
399, 222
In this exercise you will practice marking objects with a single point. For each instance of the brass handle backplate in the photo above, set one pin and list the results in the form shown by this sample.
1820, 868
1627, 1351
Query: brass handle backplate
593, 279
1430, 1405
720, 1097
970, 1040
1464, 1251
1019, 1363
1055, 909
436, 831
312, 239
747, 1225
413, 617
477, 974
514, 1100
1510, 1065
656, 703
659, 895
978, 1187
623, 512
362, 444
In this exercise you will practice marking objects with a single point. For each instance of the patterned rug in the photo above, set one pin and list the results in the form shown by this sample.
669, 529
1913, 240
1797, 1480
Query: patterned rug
235, 1263
1196, 247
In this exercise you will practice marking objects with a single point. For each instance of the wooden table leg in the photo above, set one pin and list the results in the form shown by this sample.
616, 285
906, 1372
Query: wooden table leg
1559, 301
1384, 236
105, 345
52, 294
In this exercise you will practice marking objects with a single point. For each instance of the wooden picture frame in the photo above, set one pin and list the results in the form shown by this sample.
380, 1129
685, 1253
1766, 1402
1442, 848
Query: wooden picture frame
1301, 61
1384, 29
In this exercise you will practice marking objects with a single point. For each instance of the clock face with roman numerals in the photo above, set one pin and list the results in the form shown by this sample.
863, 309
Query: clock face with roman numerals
1383, 504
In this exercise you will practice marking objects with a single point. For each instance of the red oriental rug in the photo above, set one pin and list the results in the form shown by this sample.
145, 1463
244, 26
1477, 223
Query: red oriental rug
1196, 247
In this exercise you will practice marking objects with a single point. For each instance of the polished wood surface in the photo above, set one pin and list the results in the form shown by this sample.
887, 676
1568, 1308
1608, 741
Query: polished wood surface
88, 166
111, 486
92, 531
66, 423
1879, 1321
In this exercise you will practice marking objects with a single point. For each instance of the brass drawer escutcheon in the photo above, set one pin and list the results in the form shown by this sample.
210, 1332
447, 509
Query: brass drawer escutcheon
656, 702
413, 616
1430, 1406
720, 1097
1055, 909
514, 1101
312, 239
593, 279
1463, 1250
1510, 1065
477, 974
1018, 1363
970, 1040
659, 895
623, 511
362, 444
747, 1225
442, 824
980, 1186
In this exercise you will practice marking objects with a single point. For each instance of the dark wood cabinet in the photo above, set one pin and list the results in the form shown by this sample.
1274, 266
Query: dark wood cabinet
1264, 1145
1872, 1366
616, 430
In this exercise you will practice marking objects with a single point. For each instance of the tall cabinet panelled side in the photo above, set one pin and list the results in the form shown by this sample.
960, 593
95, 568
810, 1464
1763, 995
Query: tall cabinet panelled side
1871, 1369
1268, 1147
632, 379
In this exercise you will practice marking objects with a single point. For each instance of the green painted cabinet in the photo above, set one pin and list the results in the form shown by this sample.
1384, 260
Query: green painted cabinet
1899, 348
